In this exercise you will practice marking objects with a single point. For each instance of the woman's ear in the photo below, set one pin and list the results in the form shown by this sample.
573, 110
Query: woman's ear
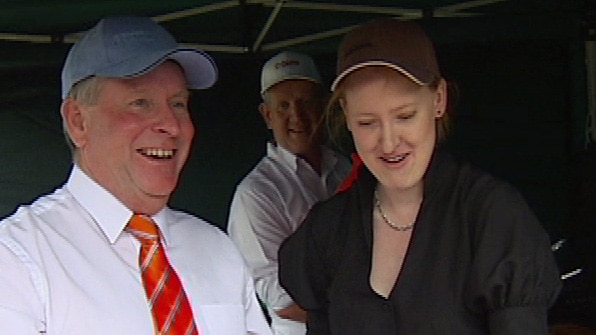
74, 119
441, 99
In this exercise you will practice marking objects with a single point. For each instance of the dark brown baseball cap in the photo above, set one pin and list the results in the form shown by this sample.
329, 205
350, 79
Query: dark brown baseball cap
400, 45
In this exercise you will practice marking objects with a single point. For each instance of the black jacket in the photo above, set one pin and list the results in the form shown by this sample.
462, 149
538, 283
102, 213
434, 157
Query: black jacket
479, 262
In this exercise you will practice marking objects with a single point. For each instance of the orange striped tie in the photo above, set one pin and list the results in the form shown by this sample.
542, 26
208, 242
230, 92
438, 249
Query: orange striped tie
171, 311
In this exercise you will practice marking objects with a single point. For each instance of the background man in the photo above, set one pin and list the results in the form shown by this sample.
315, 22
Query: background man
297, 171
88, 258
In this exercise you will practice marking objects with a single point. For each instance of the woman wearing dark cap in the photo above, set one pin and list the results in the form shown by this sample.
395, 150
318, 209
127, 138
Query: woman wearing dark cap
418, 243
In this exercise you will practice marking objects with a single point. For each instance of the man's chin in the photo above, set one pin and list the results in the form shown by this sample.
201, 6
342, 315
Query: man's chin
163, 192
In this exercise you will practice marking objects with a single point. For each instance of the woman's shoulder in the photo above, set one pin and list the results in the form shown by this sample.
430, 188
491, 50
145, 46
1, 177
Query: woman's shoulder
477, 183
330, 219
327, 214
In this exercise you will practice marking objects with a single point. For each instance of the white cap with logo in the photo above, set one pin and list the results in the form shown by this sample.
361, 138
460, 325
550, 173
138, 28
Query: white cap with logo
288, 65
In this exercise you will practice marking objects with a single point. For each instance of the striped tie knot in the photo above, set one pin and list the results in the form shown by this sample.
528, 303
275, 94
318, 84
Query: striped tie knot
143, 228
168, 302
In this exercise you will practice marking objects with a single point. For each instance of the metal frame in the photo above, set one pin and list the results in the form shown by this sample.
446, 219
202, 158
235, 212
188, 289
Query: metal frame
591, 88
455, 10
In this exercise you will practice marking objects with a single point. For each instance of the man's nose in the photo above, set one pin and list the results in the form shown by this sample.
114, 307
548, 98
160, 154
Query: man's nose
167, 120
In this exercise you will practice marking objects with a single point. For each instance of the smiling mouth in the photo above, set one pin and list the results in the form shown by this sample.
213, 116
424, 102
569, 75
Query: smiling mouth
157, 153
395, 159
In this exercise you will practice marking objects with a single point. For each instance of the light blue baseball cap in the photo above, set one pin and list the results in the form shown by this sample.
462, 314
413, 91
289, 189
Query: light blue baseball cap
125, 47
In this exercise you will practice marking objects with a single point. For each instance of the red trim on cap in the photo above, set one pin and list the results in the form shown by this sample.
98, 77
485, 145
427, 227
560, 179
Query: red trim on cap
286, 62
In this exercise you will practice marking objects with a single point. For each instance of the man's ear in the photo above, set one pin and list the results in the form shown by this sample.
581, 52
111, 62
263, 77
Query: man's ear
74, 119
266, 114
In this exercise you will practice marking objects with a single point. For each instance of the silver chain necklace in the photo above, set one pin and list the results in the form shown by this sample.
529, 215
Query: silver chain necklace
386, 219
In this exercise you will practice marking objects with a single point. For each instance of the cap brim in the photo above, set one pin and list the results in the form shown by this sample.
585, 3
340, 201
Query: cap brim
401, 69
199, 69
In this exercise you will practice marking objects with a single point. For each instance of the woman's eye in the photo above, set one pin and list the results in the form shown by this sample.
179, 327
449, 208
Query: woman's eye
365, 123
406, 116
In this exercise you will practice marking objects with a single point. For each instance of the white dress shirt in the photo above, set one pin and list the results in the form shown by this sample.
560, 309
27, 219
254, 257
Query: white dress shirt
69, 267
268, 205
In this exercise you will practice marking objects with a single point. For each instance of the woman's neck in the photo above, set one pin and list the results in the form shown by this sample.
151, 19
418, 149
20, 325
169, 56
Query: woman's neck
401, 197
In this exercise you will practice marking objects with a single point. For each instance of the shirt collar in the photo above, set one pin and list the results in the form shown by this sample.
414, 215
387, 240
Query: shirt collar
111, 215
328, 159
278, 152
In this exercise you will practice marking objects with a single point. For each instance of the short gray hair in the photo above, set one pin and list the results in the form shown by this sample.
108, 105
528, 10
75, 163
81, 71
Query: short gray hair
85, 92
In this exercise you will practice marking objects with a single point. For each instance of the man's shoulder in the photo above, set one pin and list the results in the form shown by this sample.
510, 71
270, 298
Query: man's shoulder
46, 208
204, 240
182, 218
196, 228
22, 232
268, 174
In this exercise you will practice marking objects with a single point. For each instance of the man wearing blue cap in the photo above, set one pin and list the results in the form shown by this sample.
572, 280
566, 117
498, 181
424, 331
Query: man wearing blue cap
297, 171
104, 254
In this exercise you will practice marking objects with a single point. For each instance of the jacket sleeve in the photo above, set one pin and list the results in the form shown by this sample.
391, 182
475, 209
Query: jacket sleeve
514, 277
302, 272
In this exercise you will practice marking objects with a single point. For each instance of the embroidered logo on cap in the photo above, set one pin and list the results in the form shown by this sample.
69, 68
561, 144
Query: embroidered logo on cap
285, 63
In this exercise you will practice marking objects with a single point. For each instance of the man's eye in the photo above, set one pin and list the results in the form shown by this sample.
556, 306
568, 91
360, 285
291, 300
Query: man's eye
179, 104
308, 103
284, 106
141, 103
